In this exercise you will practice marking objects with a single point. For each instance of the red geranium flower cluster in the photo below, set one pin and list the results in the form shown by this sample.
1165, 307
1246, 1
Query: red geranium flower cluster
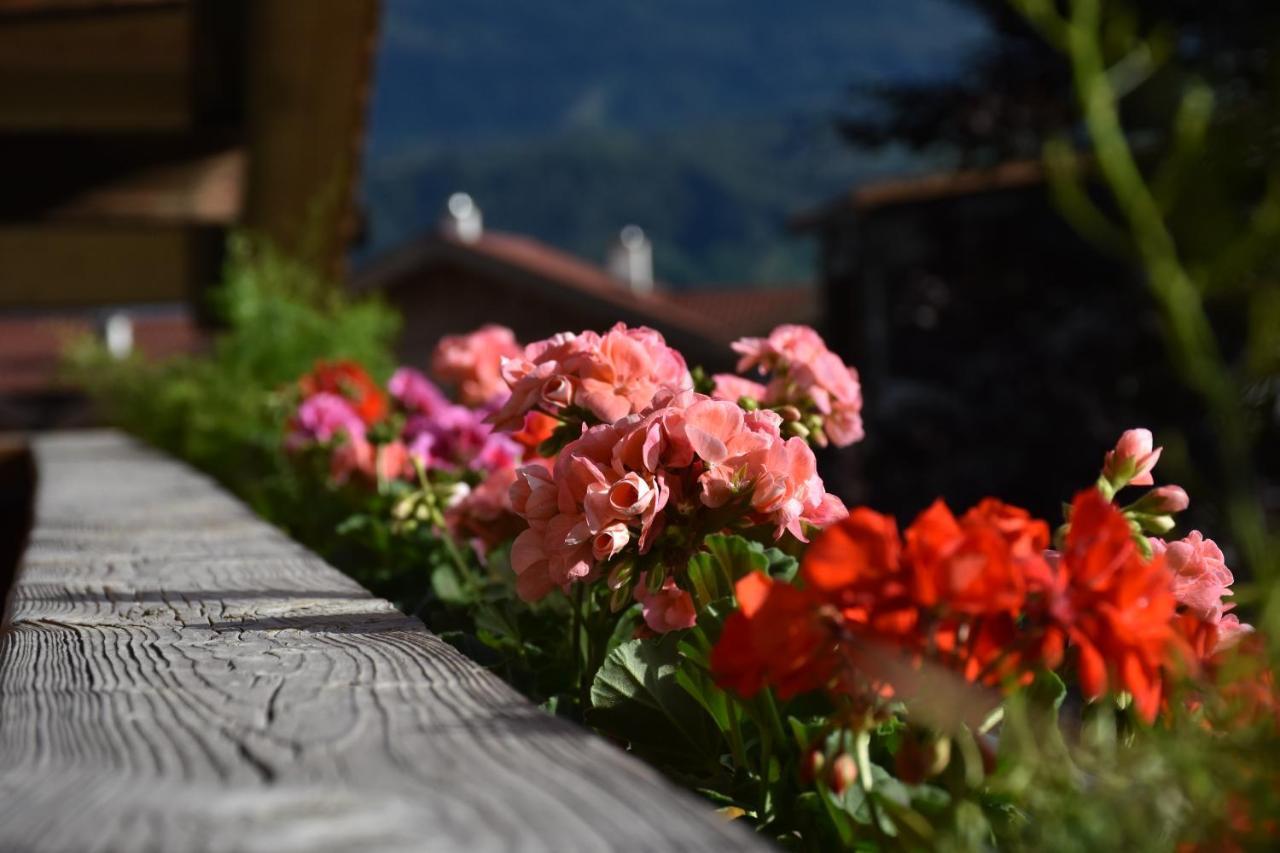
978, 594
350, 381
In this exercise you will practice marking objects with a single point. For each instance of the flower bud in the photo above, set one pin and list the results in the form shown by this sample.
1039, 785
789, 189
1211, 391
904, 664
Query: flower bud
1162, 500
1130, 463
750, 404
1157, 524
811, 765
788, 413
844, 772
795, 428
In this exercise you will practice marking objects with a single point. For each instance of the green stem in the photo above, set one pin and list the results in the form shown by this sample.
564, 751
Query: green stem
1191, 339
584, 694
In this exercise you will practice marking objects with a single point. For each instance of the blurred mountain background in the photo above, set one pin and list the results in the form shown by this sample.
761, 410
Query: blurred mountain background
706, 122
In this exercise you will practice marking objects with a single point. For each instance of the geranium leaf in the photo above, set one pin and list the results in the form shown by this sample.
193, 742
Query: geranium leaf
637, 696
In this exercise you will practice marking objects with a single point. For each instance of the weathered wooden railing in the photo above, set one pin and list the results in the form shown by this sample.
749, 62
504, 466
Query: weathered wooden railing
179, 675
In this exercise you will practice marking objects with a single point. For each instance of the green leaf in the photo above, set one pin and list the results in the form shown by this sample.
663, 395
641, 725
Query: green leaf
713, 572
636, 696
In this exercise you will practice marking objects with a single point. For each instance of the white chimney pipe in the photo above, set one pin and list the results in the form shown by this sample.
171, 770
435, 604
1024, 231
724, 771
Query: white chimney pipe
462, 218
117, 334
630, 259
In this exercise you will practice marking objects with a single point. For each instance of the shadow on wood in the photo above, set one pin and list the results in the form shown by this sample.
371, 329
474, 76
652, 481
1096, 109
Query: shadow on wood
17, 495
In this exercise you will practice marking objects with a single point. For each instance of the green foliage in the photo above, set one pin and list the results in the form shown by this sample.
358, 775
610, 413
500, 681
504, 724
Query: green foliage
225, 411
636, 695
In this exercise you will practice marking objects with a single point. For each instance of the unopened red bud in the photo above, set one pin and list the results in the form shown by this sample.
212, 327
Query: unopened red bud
844, 772
789, 413
811, 765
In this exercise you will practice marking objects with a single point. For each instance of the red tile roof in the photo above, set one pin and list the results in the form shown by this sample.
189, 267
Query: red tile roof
540, 265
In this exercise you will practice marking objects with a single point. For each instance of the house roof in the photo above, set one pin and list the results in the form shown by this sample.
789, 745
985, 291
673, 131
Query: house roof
749, 310
900, 191
541, 267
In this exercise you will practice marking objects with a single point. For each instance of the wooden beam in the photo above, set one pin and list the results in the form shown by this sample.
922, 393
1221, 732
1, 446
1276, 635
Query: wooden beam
307, 87
207, 190
178, 675
74, 265
97, 70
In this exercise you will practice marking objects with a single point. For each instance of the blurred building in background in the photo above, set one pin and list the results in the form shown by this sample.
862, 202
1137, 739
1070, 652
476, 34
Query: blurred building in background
1000, 352
134, 134
462, 276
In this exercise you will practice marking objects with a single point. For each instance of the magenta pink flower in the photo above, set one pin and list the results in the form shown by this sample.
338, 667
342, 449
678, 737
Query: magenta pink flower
416, 393
1201, 578
1132, 459
473, 362
668, 609
323, 417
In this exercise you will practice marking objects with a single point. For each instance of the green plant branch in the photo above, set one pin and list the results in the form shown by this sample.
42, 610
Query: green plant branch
1189, 335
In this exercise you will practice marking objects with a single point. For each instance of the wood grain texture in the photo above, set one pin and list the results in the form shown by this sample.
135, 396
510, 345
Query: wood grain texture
181, 676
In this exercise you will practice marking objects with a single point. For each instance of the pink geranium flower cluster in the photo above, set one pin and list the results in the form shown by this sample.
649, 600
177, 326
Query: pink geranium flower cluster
595, 378
421, 428
805, 377
687, 464
473, 363
1201, 580
445, 435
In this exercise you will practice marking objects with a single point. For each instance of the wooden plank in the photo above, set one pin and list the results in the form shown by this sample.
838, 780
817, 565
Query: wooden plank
181, 676
97, 70
67, 265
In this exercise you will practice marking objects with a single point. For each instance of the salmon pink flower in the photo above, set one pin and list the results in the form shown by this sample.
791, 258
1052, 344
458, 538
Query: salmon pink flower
371, 462
610, 541
1131, 461
786, 345
1201, 578
610, 376
807, 376
668, 609
484, 515
734, 388
473, 362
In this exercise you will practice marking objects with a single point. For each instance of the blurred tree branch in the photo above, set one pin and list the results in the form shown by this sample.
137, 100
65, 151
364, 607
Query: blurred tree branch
1086, 35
